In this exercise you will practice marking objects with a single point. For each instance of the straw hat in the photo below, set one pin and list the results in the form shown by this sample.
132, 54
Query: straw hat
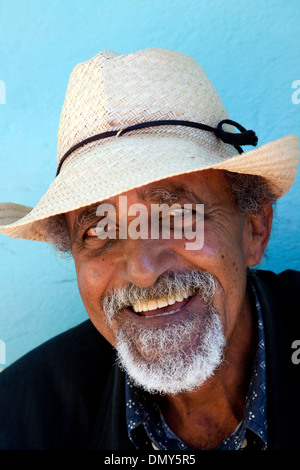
177, 118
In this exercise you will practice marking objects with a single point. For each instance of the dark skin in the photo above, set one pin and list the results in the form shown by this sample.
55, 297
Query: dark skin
205, 417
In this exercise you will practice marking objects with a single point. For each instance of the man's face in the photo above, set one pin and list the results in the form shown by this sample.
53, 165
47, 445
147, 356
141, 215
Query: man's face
167, 309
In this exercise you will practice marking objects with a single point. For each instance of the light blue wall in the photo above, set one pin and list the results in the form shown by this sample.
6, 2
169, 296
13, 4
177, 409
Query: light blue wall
251, 52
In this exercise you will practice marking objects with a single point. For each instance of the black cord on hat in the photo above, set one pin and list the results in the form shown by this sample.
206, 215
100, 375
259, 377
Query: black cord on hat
236, 139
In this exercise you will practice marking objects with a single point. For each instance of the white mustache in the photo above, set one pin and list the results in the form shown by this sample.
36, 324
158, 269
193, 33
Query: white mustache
183, 283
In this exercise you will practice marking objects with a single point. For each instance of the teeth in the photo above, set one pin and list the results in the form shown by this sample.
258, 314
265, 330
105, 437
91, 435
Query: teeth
137, 307
162, 303
189, 294
179, 298
154, 304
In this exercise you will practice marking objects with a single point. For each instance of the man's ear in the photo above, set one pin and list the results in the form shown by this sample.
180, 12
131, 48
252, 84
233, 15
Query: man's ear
257, 232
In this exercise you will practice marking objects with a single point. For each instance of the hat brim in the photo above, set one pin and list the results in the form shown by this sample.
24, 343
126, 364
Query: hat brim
119, 165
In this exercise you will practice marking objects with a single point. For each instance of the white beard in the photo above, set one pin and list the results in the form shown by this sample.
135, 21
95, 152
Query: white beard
174, 358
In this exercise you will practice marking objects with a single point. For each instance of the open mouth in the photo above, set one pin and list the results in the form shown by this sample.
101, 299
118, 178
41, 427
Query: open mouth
161, 307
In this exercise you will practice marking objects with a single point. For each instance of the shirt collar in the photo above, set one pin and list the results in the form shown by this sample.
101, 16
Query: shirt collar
145, 421
254, 424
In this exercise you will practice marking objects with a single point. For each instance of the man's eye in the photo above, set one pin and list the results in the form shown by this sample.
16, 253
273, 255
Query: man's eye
179, 218
91, 232
177, 212
190, 217
102, 231
176, 218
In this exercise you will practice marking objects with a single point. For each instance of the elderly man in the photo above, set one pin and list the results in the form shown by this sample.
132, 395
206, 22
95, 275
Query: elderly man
187, 347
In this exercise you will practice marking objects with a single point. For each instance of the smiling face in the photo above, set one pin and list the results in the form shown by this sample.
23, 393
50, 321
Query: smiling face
158, 303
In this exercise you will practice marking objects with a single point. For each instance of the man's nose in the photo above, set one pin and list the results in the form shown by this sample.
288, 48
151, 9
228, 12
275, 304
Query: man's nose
145, 260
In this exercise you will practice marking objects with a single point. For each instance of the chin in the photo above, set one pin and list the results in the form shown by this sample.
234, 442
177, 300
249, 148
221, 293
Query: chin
174, 358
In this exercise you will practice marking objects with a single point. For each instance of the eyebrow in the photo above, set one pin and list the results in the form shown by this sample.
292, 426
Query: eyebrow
175, 193
84, 217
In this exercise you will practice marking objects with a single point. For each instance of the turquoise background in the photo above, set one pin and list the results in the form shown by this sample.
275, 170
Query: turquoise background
249, 49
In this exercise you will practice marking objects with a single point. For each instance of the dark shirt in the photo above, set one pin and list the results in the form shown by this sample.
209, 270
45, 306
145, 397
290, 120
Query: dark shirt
145, 421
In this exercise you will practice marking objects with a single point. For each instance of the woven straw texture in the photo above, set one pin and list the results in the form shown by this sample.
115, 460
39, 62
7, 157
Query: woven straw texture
111, 92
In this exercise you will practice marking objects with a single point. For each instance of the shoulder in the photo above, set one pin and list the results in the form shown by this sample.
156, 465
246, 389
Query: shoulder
73, 346
50, 397
279, 294
288, 279
284, 286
